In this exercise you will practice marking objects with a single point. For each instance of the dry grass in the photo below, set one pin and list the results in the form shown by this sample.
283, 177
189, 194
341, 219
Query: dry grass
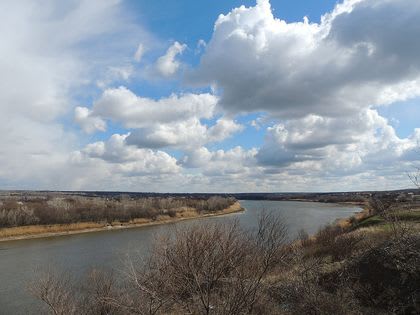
46, 229
187, 213
141, 221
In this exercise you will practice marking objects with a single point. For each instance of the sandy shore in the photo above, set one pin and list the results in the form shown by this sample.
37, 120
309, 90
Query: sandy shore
45, 231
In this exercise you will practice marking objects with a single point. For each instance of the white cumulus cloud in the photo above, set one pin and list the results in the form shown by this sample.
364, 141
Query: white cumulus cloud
88, 123
128, 160
167, 65
123, 106
364, 53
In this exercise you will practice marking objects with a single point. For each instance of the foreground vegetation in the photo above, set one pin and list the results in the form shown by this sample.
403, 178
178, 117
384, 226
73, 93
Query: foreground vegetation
369, 264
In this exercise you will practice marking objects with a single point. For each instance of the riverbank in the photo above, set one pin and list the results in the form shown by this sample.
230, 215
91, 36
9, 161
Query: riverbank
358, 216
54, 230
364, 264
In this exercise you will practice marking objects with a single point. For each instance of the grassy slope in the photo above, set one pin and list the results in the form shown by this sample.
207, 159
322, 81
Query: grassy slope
325, 273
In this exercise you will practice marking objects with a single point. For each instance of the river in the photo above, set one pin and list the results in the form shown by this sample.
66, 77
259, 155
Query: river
108, 249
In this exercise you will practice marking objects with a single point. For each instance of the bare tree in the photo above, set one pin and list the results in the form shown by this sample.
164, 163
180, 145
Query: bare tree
415, 177
204, 269
55, 291
100, 292
215, 268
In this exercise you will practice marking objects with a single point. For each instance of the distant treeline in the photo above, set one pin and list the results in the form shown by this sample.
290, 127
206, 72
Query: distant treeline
333, 197
316, 197
64, 209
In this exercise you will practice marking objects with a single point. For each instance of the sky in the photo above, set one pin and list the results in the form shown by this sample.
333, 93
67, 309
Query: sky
210, 95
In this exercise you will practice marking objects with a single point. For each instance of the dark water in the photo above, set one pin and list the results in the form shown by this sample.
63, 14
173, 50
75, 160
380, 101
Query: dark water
109, 249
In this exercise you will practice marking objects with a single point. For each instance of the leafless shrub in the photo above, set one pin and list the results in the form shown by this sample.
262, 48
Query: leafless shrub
345, 245
387, 276
353, 220
55, 291
61, 294
326, 236
380, 204
304, 238
99, 293
415, 177
333, 241
300, 292
400, 229
217, 269
213, 269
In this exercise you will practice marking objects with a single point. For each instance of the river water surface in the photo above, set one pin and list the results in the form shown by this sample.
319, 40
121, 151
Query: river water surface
108, 249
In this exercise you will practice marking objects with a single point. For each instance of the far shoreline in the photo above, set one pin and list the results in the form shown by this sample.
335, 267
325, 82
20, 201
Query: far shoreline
103, 227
